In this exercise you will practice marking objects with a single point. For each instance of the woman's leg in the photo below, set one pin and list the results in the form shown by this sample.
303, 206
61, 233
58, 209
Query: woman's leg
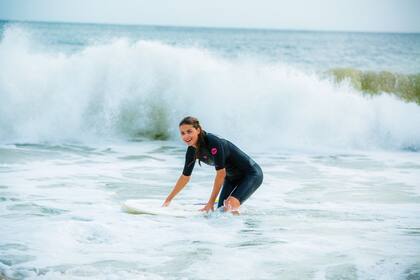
228, 187
245, 188
232, 204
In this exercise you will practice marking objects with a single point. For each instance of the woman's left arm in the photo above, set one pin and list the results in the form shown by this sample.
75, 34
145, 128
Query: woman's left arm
218, 182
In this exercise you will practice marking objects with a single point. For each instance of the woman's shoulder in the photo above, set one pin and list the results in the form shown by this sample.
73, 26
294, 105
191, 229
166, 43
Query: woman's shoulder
211, 136
212, 139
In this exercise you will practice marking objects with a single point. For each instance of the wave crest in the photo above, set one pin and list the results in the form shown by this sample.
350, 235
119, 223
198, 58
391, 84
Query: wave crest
129, 89
406, 87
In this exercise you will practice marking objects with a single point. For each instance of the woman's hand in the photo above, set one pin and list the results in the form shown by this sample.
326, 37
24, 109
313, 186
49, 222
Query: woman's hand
180, 184
218, 182
208, 207
166, 203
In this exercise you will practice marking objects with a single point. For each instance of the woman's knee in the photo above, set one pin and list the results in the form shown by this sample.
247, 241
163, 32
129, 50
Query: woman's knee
231, 204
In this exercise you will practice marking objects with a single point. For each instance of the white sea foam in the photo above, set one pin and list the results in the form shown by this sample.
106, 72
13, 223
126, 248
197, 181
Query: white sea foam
316, 216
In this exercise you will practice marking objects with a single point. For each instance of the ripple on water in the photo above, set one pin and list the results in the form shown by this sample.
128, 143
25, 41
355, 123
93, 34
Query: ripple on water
413, 231
167, 150
141, 157
257, 243
69, 148
126, 190
81, 219
13, 246
53, 186
96, 237
413, 272
13, 259
8, 196
108, 269
342, 272
34, 209
349, 161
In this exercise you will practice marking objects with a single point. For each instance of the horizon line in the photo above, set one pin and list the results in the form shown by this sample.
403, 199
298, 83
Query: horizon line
211, 27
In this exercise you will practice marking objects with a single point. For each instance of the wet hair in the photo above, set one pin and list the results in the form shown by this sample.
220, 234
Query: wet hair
200, 141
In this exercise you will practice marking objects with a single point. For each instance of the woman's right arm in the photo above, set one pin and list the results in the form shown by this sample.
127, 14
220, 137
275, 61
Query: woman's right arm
180, 184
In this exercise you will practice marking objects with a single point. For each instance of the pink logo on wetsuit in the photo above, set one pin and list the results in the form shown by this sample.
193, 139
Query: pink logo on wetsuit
213, 151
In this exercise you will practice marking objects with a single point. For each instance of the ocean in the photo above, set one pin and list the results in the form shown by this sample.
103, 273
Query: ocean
89, 118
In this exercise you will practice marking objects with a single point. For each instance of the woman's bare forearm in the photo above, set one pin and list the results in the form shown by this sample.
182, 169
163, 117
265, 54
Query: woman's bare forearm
218, 182
180, 184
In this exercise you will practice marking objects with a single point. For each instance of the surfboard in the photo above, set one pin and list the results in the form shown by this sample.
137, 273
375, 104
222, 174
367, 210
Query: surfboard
154, 207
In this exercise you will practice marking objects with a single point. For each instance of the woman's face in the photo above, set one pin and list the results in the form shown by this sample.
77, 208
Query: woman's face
189, 134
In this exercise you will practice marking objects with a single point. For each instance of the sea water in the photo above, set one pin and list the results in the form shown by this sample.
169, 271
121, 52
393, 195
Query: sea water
88, 119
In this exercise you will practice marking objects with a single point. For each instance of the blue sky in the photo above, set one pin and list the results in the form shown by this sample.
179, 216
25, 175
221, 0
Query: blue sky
347, 15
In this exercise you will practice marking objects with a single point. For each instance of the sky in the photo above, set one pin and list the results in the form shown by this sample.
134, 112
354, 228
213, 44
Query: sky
337, 15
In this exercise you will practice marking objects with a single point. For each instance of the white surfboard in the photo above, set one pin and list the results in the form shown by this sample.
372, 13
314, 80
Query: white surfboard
154, 207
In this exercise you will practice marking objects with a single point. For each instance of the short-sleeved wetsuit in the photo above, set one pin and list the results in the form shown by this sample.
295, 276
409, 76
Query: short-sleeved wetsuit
243, 175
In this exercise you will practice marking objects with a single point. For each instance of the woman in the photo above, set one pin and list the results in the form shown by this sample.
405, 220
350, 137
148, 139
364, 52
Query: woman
236, 171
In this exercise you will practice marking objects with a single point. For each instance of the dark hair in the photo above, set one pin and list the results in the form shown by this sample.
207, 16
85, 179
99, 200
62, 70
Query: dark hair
200, 141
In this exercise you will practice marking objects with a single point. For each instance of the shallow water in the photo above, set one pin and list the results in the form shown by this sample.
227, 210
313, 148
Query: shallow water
351, 215
341, 194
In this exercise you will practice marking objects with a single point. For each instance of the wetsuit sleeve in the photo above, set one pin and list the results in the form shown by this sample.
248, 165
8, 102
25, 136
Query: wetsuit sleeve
216, 149
189, 161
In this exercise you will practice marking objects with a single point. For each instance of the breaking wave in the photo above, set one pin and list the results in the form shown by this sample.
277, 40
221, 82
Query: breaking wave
124, 89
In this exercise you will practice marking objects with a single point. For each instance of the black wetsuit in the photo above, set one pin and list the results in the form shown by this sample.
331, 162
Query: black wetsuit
243, 175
